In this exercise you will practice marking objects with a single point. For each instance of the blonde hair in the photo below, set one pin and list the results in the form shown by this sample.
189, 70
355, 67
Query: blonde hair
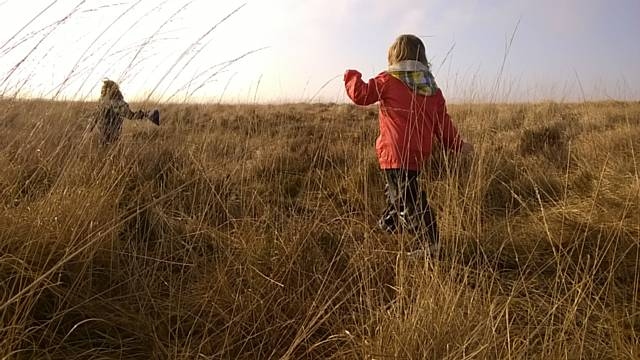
407, 47
110, 91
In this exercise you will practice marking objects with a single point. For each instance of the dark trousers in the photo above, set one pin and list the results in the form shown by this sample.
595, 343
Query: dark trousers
407, 206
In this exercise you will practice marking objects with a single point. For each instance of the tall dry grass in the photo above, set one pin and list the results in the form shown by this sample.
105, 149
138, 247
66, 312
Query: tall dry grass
249, 232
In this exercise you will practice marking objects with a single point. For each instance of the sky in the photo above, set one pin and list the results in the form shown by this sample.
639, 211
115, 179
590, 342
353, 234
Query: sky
277, 51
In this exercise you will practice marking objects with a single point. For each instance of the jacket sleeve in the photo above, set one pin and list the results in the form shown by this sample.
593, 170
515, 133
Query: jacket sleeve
444, 128
123, 110
359, 92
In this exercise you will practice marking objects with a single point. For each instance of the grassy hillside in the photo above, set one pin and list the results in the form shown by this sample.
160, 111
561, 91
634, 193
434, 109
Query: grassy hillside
249, 232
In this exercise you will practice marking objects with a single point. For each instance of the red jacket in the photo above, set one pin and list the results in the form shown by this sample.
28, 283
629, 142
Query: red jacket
408, 121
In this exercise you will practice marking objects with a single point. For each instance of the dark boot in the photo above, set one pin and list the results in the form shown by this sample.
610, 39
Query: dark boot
388, 221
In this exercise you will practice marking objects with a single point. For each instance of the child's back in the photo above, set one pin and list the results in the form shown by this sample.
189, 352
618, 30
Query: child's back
408, 121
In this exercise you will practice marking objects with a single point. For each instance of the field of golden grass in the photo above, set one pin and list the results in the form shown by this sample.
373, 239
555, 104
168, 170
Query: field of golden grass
249, 232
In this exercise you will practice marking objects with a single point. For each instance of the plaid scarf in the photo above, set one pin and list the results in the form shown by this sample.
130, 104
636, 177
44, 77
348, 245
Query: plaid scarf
415, 75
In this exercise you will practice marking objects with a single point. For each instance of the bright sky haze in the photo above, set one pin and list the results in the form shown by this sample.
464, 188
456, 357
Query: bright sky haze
297, 50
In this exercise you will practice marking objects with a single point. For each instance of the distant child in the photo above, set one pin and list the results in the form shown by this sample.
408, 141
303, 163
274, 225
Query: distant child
412, 111
112, 110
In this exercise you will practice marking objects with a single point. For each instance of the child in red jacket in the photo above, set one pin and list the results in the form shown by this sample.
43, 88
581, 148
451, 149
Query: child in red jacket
412, 111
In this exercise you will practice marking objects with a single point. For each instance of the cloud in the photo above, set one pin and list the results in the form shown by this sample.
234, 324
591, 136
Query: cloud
312, 41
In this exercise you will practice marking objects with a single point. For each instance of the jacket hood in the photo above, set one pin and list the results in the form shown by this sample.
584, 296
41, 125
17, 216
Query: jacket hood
415, 75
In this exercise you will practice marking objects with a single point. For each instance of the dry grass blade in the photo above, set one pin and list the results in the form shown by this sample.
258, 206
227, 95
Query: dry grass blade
250, 231
240, 231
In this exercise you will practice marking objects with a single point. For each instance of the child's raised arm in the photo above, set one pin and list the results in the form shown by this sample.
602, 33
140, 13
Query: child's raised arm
359, 92
122, 109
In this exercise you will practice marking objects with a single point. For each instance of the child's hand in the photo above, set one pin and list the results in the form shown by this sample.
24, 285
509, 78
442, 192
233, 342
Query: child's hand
351, 74
466, 148
154, 116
